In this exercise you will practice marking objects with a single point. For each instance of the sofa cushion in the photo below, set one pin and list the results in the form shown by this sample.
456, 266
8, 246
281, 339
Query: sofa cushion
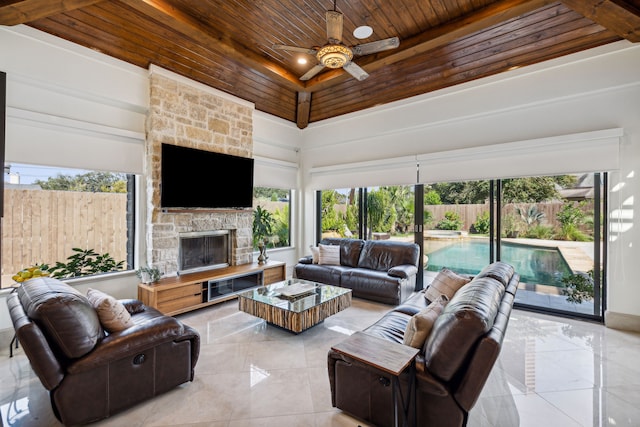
446, 283
315, 254
328, 254
390, 327
500, 271
421, 323
329, 274
349, 249
468, 316
113, 315
383, 255
66, 316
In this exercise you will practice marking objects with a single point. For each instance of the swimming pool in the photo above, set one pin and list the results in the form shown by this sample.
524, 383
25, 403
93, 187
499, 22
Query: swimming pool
536, 265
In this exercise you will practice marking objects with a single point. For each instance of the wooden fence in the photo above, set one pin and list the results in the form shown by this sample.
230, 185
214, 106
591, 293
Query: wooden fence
43, 226
469, 213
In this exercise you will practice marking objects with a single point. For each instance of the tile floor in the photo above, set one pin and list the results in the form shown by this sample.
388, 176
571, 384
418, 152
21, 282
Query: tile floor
551, 372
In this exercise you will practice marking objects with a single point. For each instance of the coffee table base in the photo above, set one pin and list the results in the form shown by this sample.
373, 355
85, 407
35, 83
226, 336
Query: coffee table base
291, 321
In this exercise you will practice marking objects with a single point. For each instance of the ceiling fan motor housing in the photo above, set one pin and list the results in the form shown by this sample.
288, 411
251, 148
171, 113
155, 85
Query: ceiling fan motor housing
334, 55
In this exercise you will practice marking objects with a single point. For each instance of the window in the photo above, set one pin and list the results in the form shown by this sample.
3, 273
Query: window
276, 203
52, 214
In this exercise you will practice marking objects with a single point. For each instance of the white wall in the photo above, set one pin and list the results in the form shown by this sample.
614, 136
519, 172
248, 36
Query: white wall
53, 82
585, 92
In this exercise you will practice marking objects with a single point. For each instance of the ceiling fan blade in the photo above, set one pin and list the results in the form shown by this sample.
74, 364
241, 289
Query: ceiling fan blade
378, 46
312, 72
295, 49
355, 70
334, 25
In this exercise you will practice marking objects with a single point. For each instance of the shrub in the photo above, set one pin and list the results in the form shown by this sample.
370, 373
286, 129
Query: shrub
451, 221
540, 232
578, 287
481, 226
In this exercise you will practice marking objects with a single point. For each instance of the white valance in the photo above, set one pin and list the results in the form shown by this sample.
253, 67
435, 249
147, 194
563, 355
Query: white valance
393, 171
274, 173
576, 153
43, 139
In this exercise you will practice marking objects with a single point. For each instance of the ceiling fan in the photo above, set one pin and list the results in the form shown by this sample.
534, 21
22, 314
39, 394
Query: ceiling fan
336, 54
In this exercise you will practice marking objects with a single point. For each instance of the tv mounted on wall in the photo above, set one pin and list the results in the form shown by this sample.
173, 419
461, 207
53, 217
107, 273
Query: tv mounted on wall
192, 178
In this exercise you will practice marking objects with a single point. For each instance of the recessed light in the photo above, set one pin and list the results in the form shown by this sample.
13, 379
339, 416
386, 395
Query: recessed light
302, 60
363, 32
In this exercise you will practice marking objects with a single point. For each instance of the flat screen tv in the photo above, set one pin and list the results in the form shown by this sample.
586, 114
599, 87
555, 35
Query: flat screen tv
192, 178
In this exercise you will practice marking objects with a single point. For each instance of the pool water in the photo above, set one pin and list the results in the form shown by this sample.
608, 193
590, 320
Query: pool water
536, 265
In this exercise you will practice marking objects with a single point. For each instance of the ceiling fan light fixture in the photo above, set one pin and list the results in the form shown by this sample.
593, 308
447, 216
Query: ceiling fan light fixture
334, 55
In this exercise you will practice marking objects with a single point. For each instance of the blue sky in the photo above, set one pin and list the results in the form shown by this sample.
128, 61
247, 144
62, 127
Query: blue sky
30, 173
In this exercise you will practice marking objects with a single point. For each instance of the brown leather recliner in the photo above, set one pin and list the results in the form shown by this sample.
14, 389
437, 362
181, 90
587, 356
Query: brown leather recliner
452, 367
91, 374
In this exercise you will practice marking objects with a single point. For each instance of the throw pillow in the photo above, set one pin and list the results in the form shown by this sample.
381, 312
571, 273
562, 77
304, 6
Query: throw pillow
421, 323
445, 283
112, 313
315, 253
329, 254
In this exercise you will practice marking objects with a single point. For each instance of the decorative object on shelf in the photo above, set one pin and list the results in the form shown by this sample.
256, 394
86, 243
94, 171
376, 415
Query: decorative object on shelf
262, 230
148, 274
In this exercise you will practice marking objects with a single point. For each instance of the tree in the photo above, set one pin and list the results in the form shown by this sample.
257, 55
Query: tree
529, 190
94, 182
458, 193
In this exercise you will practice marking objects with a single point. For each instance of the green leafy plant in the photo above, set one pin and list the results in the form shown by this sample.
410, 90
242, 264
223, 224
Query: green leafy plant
570, 217
531, 216
148, 274
481, 226
451, 221
510, 226
262, 226
85, 262
578, 287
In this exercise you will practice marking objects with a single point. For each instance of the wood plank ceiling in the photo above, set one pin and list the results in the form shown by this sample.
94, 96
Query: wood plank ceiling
228, 44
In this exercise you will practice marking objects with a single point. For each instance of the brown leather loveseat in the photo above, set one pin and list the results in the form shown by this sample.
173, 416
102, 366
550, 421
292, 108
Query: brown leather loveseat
90, 373
379, 270
452, 365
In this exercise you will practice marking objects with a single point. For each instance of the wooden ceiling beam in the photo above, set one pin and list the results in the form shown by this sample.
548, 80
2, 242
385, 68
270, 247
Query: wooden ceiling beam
491, 15
303, 109
24, 11
617, 16
167, 14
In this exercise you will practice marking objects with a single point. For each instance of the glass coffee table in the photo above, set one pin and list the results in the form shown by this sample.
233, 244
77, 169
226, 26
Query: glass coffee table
294, 304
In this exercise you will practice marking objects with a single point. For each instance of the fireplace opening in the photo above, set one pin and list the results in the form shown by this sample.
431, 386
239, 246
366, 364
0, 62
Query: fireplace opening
204, 250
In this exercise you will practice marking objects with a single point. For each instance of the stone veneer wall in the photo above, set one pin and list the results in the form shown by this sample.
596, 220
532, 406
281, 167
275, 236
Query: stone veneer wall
190, 116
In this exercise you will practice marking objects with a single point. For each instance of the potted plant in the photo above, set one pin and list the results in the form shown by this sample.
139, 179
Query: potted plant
148, 274
262, 230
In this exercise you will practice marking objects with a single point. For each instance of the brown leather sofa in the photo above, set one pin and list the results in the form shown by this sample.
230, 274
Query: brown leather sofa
379, 270
450, 369
92, 374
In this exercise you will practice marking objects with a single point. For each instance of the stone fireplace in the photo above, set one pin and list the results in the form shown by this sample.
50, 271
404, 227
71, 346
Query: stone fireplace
185, 113
205, 250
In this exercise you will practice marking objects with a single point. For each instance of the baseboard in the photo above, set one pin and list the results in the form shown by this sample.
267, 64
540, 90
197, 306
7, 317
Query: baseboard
622, 321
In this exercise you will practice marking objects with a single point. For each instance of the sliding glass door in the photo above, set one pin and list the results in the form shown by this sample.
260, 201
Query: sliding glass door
550, 228
553, 236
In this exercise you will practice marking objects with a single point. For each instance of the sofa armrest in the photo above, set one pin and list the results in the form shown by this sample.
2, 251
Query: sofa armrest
133, 306
132, 341
403, 271
306, 260
426, 382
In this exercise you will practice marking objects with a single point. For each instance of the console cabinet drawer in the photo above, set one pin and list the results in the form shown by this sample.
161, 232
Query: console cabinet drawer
180, 303
167, 295
273, 275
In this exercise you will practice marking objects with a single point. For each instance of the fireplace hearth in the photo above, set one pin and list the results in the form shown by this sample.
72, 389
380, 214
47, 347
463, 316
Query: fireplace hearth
204, 250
